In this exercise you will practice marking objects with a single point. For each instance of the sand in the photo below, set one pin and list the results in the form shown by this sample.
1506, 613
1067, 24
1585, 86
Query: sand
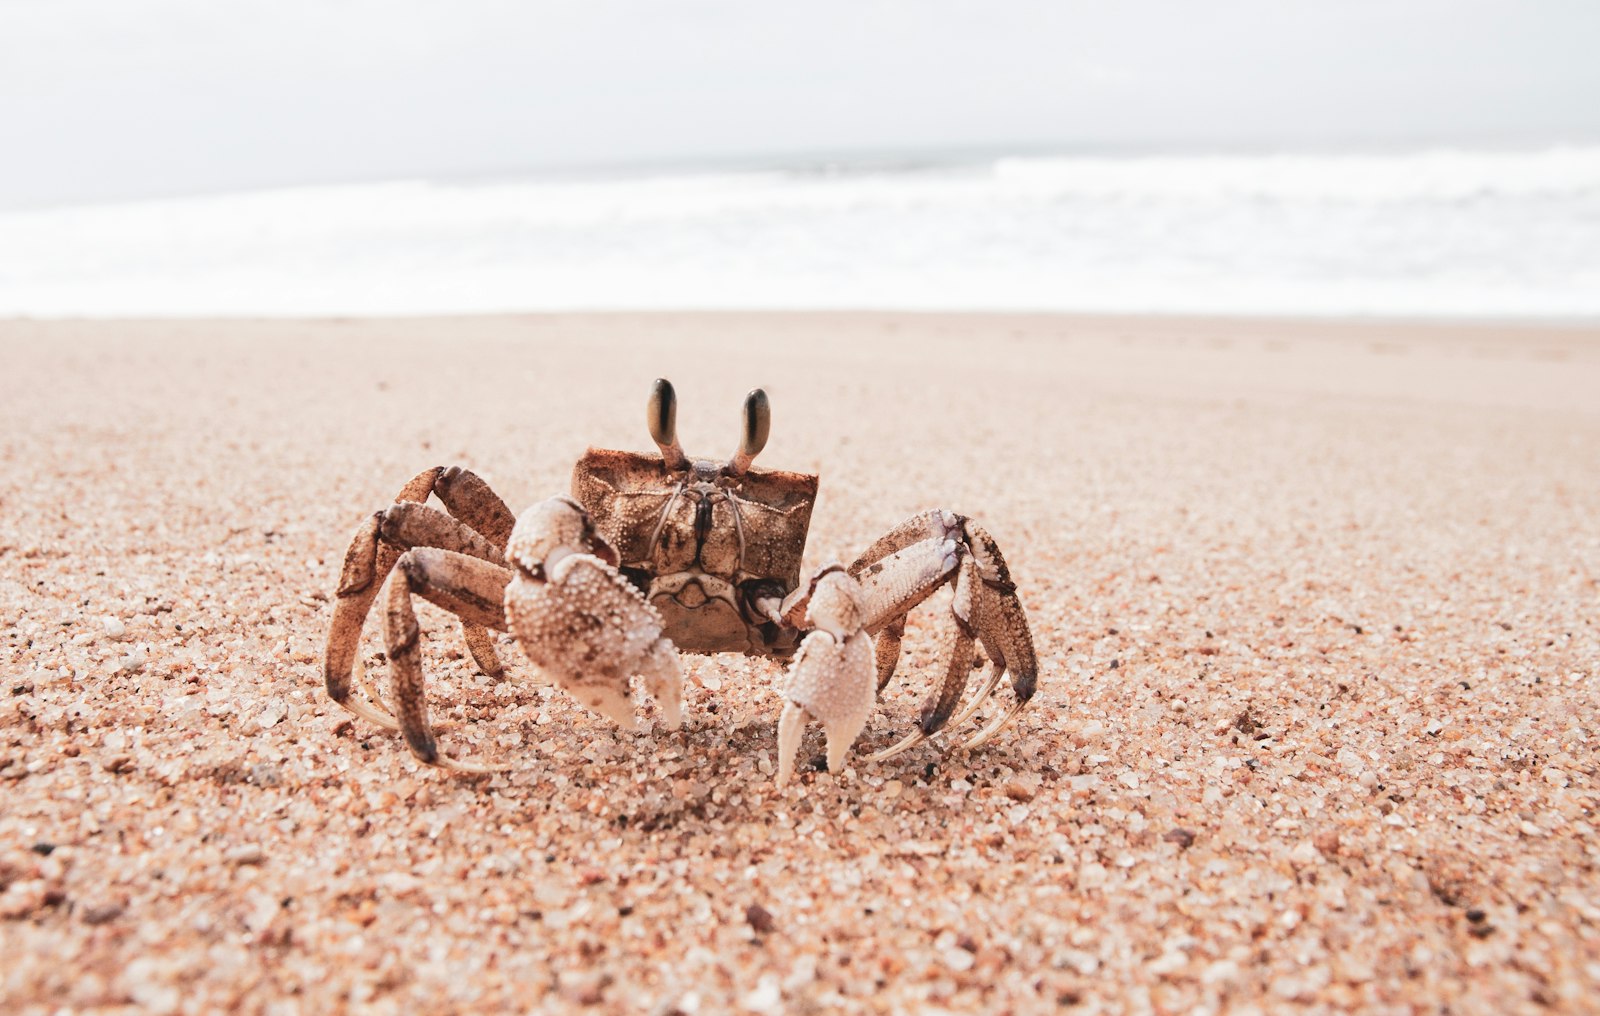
1315, 603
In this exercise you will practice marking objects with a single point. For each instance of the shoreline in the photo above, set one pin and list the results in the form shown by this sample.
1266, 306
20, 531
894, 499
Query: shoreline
1466, 322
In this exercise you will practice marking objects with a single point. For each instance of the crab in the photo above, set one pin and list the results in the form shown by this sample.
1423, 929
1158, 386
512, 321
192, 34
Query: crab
653, 555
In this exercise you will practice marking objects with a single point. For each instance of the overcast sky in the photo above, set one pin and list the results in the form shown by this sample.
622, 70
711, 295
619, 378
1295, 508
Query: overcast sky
105, 99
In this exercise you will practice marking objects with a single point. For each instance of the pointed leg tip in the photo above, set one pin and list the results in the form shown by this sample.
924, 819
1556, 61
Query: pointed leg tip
616, 707
910, 741
371, 714
840, 740
785, 773
791, 726
837, 760
671, 712
982, 737
468, 768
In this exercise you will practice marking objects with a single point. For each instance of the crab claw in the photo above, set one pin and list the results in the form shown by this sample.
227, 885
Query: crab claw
833, 679
580, 621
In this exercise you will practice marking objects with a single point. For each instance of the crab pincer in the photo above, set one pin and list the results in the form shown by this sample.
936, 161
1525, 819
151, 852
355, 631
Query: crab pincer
580, 621
833, 679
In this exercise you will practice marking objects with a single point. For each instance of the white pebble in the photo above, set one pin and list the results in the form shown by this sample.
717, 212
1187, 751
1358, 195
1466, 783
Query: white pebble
957, 958
1222, 971
766, 998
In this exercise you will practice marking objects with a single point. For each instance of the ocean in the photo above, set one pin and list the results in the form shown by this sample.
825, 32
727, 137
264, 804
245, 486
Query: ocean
1433, 234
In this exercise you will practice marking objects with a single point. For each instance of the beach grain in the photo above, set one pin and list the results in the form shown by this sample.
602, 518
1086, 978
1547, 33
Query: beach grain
1316, 607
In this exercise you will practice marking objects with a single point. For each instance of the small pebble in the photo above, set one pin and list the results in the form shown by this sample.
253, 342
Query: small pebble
958, 959
103, 913
1019, 790
265, 774
760, 918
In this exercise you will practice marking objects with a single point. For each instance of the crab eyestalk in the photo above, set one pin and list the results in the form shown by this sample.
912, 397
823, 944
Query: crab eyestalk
757, 424
662, 418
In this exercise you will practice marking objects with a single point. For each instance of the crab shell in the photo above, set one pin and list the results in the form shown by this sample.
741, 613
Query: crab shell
701, 544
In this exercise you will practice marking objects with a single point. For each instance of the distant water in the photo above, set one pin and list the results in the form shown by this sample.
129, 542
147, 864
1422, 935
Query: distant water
1434, 234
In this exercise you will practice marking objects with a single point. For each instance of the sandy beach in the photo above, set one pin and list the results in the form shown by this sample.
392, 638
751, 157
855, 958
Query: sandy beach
1317, 607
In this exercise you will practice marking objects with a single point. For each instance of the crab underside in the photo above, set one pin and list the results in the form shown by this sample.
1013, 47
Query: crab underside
652, 555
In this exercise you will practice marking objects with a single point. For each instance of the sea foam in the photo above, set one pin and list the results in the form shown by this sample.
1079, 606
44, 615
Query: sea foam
1435, 234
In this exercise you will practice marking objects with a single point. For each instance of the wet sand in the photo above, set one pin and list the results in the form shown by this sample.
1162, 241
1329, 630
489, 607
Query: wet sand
1316, 607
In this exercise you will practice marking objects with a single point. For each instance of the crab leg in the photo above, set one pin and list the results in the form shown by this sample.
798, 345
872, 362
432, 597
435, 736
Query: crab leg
366, 564
897, 583
996, 672
407, 524
384, 538
1003, 630
379, 543
903, 568
469, 587
937, 709
471, 500
887, 649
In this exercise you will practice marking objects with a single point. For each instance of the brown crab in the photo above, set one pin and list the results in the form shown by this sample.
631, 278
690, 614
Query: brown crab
657, 554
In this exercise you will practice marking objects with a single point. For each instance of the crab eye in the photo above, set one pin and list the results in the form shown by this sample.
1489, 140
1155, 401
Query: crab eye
663, 414
662, 418
757, 424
